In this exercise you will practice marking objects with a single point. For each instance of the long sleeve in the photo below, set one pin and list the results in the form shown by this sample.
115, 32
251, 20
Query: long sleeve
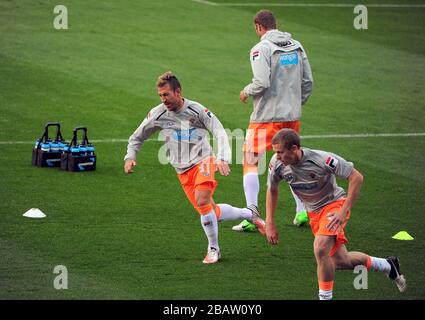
307, 79
142, 133
211, 122
261, 70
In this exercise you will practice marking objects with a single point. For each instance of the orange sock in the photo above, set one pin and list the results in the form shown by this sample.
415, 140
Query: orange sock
369, 263
204, 209
326, 285
326, 290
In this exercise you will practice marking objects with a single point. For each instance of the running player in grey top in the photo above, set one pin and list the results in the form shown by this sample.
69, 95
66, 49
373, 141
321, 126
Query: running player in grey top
313, 177
185, 132
184, 124
311, 173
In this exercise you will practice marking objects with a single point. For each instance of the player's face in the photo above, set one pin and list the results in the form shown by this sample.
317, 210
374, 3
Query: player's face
286, 156
172, 99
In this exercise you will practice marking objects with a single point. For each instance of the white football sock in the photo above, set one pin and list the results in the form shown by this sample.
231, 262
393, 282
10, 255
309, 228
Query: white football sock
380, 264
229, 213
209, 223
325, 294
299, 205
251, 186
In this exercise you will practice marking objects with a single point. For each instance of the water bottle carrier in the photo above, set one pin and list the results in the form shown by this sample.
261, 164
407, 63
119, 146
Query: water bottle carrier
45, 152
78, 157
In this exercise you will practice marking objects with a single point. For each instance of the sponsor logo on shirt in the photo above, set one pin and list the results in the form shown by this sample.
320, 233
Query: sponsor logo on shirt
185, 135
255, 55
287, 59
331, 162
304, 186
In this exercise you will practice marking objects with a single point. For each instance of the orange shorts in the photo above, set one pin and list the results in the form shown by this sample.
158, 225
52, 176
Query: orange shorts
259, 135
319, 220
200, 177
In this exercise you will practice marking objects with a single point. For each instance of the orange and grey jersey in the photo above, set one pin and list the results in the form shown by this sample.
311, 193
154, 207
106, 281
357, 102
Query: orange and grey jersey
313, 178
185, 133
282, 80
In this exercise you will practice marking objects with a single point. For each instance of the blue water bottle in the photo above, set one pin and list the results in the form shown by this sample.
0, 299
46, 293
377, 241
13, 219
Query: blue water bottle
75, 150
61, 145
45, 146
83, 150
54, 146
90, 149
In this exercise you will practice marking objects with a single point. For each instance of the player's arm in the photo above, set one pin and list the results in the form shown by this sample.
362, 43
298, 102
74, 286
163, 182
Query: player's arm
261, 70
271, 204
136, 140
307, 79
355, 182
272, 196
224, 152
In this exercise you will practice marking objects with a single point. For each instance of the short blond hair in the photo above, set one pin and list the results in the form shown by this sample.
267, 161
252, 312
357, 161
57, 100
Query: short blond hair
168, 78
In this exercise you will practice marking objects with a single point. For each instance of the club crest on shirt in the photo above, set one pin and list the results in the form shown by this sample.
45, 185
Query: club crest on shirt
289, 177
331, 162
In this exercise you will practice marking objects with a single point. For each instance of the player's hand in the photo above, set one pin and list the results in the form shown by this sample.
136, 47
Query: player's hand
336, 220
243, 97
271, 233
128, 166
223, 167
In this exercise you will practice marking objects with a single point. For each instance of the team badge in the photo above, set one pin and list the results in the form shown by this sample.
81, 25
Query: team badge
289, 177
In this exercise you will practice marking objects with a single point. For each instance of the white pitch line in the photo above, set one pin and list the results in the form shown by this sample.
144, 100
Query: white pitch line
323, 136
319, 5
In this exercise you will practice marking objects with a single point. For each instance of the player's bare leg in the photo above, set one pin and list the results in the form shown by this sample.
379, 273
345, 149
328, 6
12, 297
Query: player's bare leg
325, 266
344, 259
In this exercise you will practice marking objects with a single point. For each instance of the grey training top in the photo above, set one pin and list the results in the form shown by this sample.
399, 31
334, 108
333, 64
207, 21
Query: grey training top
313, 178
282, 79
185, 133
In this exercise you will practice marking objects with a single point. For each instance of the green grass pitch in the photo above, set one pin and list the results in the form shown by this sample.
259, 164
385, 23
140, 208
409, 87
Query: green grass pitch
137, 237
